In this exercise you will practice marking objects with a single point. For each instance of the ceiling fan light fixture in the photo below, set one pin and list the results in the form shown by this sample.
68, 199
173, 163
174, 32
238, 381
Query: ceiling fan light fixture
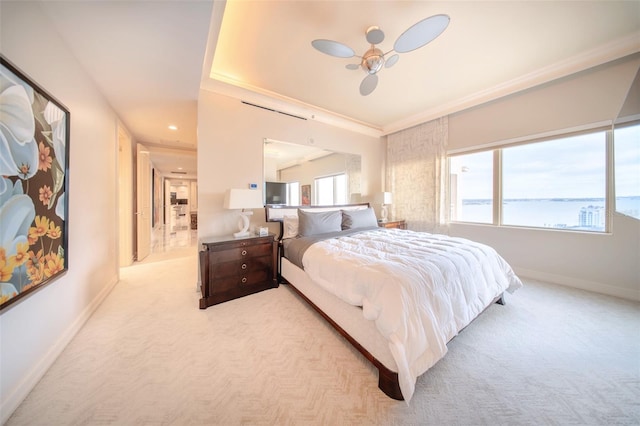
373, 60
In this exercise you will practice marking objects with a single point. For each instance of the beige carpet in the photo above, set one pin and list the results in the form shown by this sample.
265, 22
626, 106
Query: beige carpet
149, 356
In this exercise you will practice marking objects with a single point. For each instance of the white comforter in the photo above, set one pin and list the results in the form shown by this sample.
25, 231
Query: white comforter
420, 289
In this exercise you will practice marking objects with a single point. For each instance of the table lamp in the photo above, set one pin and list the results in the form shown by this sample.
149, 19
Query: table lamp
385, 199
243, 199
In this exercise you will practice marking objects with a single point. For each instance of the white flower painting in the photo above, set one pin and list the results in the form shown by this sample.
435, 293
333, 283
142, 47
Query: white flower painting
33, 184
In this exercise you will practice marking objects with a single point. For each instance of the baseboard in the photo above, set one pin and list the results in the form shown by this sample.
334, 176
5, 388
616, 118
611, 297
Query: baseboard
20, 392
593, 286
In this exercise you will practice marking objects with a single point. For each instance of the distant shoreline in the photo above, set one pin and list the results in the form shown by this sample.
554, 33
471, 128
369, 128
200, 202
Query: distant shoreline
468, 201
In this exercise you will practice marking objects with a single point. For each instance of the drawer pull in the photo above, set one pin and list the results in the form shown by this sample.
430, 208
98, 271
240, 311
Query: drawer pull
244, 280
244, 266
244, 252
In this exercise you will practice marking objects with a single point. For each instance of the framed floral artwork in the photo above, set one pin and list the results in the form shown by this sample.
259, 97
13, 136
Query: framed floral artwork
305, 191
34, 183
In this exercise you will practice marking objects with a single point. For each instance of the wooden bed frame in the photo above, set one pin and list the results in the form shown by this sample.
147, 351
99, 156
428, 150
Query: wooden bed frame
387, 379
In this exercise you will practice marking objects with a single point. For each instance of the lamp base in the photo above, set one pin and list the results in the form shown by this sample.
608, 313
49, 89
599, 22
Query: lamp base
384, 212
244, 225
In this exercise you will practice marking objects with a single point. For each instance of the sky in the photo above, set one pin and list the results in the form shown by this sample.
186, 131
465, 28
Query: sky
572, 167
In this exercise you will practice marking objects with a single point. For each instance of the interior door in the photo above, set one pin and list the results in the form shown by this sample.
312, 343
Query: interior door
143, 202
125, 198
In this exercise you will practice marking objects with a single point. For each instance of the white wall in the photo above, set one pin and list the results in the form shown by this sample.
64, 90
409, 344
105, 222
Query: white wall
230, 141
36, 329
609, 263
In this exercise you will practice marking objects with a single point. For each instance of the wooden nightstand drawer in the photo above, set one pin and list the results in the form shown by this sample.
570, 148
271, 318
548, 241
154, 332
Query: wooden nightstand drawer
234, 282
239, 267
239, 253
231, 268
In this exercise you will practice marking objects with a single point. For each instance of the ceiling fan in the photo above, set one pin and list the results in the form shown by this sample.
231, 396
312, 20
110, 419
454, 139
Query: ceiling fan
374, 59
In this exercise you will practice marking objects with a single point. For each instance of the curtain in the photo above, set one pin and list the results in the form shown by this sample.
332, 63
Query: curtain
417, 177
354, 175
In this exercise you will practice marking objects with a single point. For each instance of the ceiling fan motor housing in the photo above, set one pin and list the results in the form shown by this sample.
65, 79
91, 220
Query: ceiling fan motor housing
373, 60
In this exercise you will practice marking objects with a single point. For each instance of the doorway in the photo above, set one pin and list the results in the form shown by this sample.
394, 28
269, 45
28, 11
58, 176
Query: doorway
125, 198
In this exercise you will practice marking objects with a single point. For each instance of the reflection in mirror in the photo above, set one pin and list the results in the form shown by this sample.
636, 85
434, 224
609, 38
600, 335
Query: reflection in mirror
626, 134
305, 175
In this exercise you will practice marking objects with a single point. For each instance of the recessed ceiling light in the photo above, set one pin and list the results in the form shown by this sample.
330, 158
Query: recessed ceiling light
172, 127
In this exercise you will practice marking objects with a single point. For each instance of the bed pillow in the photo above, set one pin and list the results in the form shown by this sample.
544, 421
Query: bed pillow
354, 219
290, 226
318, 223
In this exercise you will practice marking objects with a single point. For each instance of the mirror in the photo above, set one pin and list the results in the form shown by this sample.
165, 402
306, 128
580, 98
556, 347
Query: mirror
306, 175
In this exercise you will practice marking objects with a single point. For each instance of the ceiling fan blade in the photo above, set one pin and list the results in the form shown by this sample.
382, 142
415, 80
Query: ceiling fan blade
391, 61
352, 66
421, 33
375, 35
333, 48
368, 84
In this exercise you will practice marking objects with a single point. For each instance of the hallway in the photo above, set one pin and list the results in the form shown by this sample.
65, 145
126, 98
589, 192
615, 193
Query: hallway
167, 244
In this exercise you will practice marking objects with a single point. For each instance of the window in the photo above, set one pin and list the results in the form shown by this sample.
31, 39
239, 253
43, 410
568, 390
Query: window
627, 166
471, 185
293, 193
331, 190
558, 184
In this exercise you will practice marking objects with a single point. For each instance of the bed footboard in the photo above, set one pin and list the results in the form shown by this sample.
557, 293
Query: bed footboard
388, 382
387, 379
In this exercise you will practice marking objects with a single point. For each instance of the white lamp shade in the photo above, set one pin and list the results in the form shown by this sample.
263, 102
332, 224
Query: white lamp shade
243, 199
385, 198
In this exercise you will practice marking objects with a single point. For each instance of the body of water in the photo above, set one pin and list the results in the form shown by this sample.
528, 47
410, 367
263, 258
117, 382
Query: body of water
561, 213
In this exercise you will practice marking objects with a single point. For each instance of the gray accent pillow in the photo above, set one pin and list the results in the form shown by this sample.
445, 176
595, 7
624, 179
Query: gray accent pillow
318, 223
353, 219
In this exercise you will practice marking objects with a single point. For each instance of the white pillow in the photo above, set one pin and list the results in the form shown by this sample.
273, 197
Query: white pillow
290, 225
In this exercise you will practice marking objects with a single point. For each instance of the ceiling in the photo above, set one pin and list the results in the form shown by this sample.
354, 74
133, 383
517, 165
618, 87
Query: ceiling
146, 57
285, 154
151, 58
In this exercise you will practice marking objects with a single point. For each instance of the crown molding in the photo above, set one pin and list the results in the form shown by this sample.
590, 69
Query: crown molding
608, 52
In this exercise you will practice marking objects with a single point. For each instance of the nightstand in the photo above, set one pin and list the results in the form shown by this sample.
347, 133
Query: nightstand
398, 224
236, 267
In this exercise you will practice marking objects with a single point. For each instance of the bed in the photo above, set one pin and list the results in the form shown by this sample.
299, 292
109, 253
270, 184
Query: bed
397, 296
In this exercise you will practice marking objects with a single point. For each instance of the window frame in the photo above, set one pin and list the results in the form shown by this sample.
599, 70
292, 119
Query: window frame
316, 192
497, 167
291, 191
612, 163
